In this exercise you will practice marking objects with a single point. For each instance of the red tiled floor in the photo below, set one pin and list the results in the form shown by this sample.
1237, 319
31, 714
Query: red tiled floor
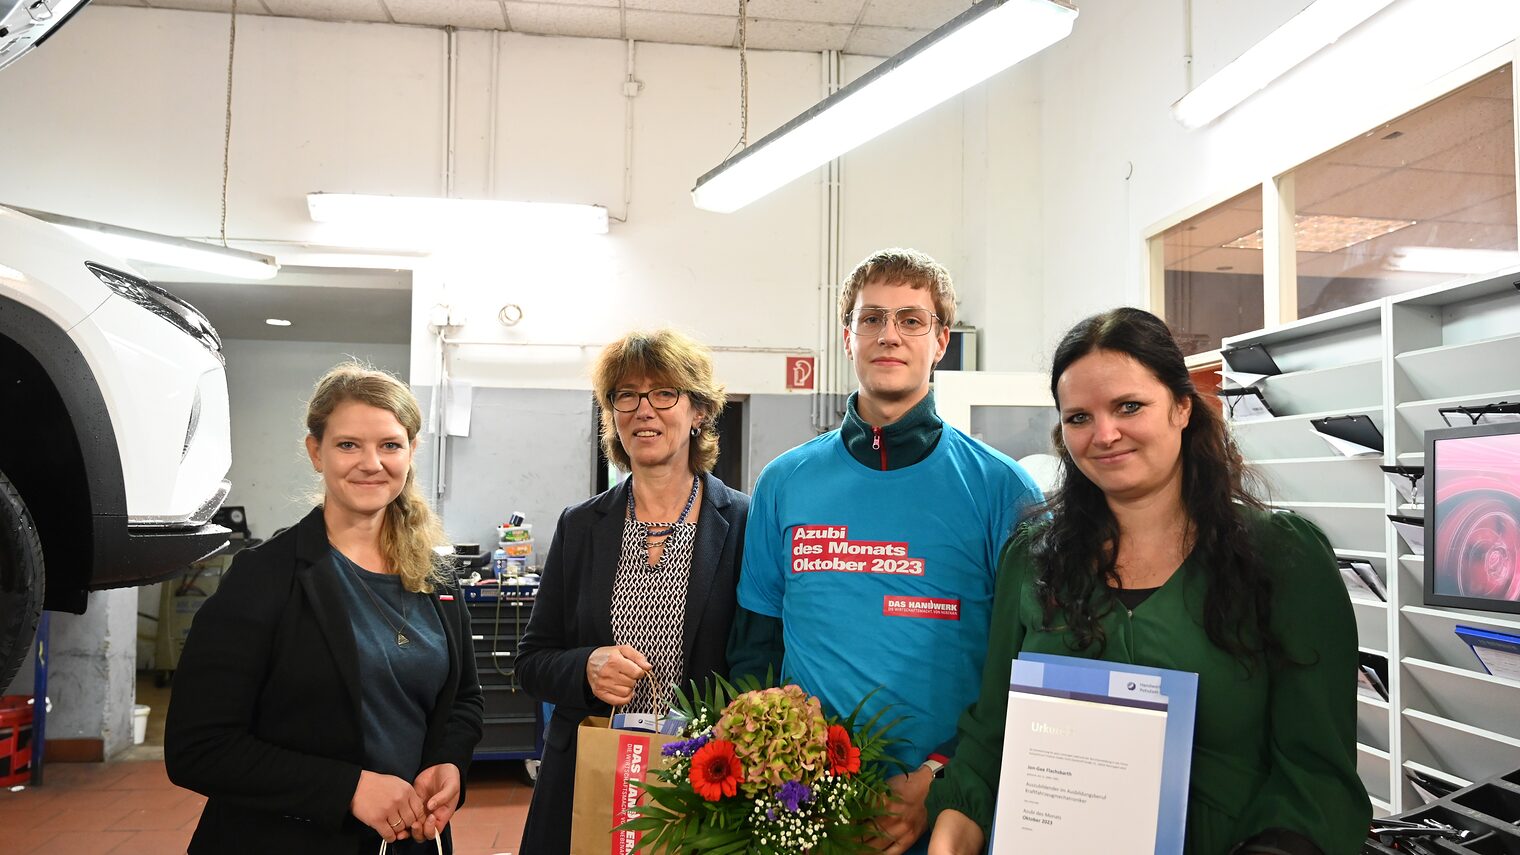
131, 808
85, 819
19, 839
84, 842
154, 843
164, 819
27, 808
473, 839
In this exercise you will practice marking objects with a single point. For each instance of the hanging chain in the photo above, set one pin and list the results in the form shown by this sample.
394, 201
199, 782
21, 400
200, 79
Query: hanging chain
227, 132
744, 73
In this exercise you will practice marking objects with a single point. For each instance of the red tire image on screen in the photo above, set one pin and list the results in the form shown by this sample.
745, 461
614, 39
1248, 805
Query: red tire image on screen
1478, 544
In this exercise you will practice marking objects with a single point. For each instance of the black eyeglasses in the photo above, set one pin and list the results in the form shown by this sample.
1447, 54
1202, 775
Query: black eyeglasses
627, 400
910, 320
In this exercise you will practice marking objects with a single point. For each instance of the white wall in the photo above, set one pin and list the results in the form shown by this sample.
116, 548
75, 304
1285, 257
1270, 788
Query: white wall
125, 108
748, 279
126, 111
1002, 225
1106, 97
91, 659
1035, 188
268, 383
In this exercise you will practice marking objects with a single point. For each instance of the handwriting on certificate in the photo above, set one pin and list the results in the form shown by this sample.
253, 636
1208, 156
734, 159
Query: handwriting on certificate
828, 548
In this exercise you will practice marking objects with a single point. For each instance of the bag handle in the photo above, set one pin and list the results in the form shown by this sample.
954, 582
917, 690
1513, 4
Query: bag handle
655, 697
438, 840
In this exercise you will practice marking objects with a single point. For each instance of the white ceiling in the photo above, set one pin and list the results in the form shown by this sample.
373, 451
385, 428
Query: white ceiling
870, 27
1449, 166
340, 305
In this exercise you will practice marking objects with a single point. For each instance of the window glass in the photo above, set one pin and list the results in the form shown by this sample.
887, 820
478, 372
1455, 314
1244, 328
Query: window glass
1423, 199
1213, 282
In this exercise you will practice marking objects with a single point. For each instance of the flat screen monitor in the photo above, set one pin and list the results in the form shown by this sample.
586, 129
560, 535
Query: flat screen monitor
1472, 517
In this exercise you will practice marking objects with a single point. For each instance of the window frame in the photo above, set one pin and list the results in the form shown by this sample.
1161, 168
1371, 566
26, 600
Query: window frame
1280, 255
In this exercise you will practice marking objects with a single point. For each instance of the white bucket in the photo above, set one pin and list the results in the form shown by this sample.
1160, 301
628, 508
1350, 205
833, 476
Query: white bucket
140, 723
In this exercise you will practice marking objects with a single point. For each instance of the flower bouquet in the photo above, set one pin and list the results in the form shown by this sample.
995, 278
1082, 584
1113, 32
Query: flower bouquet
765, 771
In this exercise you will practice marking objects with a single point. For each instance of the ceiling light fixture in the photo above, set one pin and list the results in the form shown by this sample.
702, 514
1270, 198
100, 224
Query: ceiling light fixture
411, 218
1450, 259
980, 42
154, 248
1326, 232
277, 322
1305, 34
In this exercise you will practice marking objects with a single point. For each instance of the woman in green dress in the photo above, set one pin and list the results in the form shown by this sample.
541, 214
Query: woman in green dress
1154, 552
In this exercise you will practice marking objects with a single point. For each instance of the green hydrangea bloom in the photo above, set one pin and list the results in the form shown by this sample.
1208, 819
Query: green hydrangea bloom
779, 735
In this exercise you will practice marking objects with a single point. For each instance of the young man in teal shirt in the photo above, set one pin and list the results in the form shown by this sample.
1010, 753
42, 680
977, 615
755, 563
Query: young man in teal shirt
871, 551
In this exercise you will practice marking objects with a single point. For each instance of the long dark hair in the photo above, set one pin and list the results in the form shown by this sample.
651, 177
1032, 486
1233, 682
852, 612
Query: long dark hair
1076, 552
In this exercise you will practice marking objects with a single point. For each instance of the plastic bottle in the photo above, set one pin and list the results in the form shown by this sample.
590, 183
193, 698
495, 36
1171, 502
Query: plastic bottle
499, 562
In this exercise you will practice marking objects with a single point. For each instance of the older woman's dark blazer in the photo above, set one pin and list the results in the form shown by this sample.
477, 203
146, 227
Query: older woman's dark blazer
572, 617
265, 716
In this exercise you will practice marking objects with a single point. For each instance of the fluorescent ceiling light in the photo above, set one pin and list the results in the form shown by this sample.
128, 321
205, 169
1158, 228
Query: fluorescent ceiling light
1450, 259
277, 322
1327, 233
980, 42
1305, 34
154, 248
410, 219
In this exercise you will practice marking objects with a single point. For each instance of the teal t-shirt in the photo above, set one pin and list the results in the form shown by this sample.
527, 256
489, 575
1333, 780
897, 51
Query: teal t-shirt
400, 683
884, 578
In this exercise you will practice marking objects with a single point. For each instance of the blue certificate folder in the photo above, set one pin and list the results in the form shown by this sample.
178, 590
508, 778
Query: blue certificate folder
1180, 688
1494, 650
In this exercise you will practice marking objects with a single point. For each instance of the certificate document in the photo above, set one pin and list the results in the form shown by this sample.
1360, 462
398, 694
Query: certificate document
1096, 758
1081, 773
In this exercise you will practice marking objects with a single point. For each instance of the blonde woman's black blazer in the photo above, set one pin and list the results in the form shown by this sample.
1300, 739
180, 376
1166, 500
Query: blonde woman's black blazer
264, 719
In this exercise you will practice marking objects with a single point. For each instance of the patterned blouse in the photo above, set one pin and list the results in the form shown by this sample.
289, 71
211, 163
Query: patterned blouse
649, 608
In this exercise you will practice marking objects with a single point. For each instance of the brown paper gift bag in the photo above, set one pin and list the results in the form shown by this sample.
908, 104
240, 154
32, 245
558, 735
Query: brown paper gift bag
606, 760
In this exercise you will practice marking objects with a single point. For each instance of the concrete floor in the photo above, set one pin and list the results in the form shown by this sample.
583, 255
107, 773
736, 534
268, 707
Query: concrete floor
128, 806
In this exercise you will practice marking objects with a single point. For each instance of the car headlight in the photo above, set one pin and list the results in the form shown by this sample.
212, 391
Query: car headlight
160, 302
195, 422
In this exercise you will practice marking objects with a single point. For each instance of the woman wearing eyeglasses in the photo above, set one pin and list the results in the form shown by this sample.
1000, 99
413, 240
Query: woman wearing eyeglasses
638, 588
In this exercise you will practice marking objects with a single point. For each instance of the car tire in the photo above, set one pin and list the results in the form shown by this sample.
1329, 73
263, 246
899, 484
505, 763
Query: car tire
1478, 546
21, 581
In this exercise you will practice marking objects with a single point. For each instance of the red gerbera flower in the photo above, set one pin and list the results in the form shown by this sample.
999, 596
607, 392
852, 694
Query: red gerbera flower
844, 758
715, 771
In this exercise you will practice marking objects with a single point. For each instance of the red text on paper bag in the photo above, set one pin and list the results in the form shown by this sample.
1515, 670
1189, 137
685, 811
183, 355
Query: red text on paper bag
828, 548
799, 372
632, 763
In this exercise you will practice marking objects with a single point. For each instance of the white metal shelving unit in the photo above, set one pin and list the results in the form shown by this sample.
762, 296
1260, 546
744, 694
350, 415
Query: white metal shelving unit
1398, 360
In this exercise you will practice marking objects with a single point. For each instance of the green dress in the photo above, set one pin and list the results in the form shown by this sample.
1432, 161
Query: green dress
1272, 749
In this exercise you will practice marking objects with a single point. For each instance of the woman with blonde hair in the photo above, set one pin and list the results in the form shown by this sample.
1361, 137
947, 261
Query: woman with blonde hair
639, 586
326, 699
